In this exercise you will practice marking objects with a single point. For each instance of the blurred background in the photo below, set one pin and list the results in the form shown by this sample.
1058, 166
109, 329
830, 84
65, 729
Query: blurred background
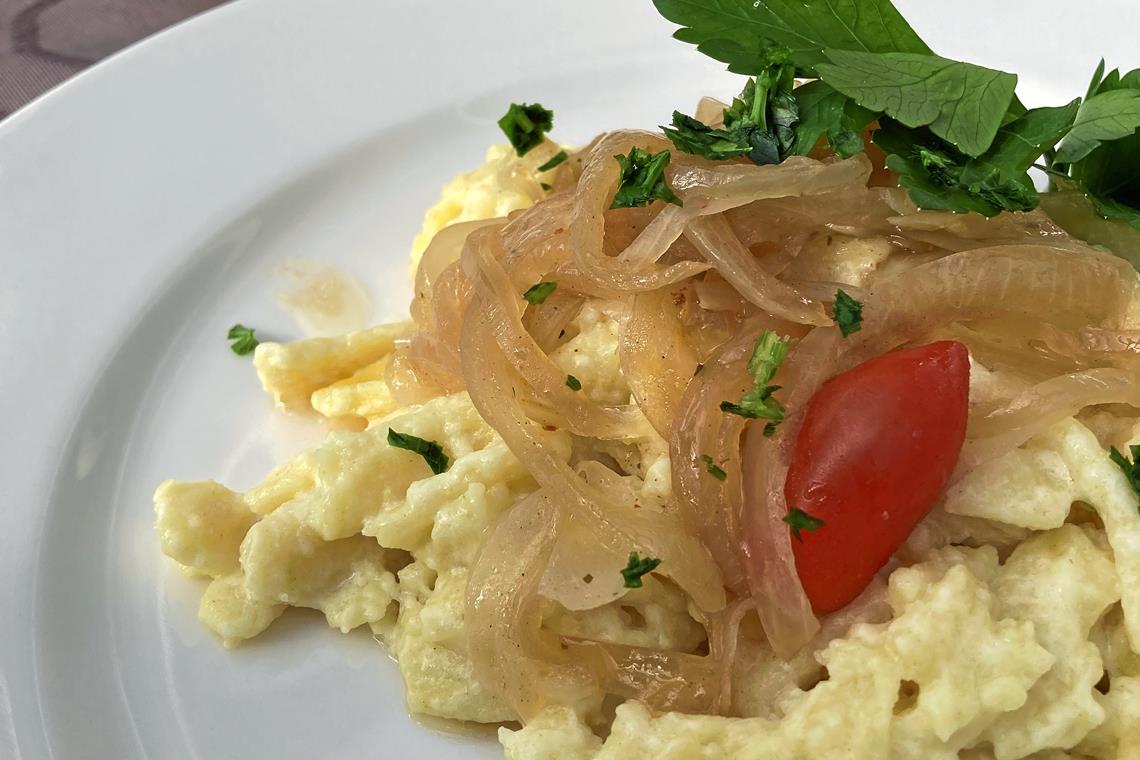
44, 42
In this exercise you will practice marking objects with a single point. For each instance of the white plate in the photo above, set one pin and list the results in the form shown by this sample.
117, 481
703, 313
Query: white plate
142, 207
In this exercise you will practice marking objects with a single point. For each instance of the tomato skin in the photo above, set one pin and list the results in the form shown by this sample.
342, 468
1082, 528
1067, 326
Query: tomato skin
877, 446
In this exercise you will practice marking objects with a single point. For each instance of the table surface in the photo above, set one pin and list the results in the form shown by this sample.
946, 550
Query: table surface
44, 42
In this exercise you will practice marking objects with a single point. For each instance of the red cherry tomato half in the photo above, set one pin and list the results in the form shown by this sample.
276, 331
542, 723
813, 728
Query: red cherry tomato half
876, 448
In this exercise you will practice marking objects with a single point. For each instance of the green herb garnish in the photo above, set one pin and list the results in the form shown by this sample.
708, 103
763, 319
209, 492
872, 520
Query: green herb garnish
643, 180
1131, 469
759, 124
539, 292
1110, 171
587, 578
573, 383
800, 520
961, 103
431, 451
941, 177
242, 340
954, 133
526, 125
825, 113
554, 161
848, 313
758, 403
712, 467
636, 568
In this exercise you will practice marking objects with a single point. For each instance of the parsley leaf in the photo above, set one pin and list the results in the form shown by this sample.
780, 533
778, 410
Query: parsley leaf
848, 313
827, 112
242, 340
962, 103
939, 176
1110, 173
636, 568
1105, 116
712, 467
573, 383
554, 161
1112, 81
526, 125
932, 171
758, 403
1021, 141
1131, 469
539, 292
800, 520
643, 179
431, 451
1111, 209
1099, 80
955, 133
739, 32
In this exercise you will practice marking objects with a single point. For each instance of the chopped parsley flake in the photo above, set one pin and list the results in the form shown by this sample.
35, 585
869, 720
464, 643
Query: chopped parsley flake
848, 313
1131, 469
801, 520
539, 292
242, 340
431, 451
558, 158
643, 180
526, 125
587, 578
573, 383
712, 467
636, 568
760, 123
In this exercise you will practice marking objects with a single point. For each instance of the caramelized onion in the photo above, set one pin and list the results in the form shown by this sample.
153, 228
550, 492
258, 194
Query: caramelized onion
993, 433
716, 241
692, 287
656, 359
511, 653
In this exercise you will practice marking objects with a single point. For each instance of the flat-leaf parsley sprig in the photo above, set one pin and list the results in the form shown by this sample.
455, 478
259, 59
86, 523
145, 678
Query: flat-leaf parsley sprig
954, 133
